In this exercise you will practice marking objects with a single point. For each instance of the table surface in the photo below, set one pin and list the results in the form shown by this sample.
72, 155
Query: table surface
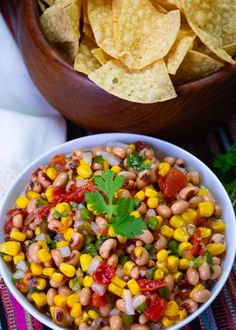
221, 315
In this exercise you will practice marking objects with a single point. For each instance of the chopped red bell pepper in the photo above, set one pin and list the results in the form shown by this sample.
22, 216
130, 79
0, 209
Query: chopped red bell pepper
196, 239
150, 285
156, 307
171, 184
97, 300
104, 273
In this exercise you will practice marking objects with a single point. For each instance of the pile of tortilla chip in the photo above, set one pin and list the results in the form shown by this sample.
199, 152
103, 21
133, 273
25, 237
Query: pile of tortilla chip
137, 49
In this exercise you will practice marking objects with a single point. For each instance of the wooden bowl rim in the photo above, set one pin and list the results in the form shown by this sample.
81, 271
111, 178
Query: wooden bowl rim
49, 51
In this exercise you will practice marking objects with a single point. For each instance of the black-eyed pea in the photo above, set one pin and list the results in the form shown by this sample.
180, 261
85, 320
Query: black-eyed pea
217, 211
33, 251
50, 296
142, 208
59, 315
194, 201
193, 177
113, 260
18, 221
190, 305
164, 211
106, 247
32, 205
161, 243
120, 304
85, 296
57, 257
56, 285
217, 272
130, 248
188, 192
179, 162
147, 237
61, 180
204, 271
192, 276
116, 322
74, 258
143, 319
77, 241
216, 261
179, 207
169, 160
138, 326
201, 296
106, 327
169, 281
29, 233
65, 291
143, 259
119, 152
124, 193
105, 310
134, 273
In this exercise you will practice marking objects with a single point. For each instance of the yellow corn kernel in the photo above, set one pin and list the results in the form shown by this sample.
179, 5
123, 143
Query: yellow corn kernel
39, 298
138, 251
161, 264
135, 214
205, 232
48, 271
182, 314
160, 221
177, 276
197, 287
72, 299
18, 258
61, 244
105, 165
115, 289
202, 191
159, 274
181, 235
167, 231
10, 248
67, 269
43, 244
173, 264
88, 281
85, 171
205, 209
131, 146
177, 221
133, 287
44, 255
150, 192
164, 168
22, 202
218, 226
48, 194
117, 281
81, 319
52, 310
85, 261
147, 161
121, 239
140, 195
67, 221
216, 248
128, 266
172, 308
32, 194
60, 301
36, 269
57, 277
166, 322
7, 258
116, 169
37, 231
93, 314
68, 234
63, 207
184, 263
185, 246
41, 284
152, 202
18, 236
162, 255
76, 310
189, 215
52, 173
111, 232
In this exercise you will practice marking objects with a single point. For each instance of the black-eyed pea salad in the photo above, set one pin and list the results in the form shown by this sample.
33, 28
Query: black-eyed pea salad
115, 237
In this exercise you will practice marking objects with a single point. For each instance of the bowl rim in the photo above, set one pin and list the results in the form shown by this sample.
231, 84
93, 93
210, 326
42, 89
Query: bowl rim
92, 140
51, 52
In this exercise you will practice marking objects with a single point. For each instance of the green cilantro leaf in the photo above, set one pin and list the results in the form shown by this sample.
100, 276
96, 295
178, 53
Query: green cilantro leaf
96, 202
125, 205
98, 159
137, 162
210, 261
107, 183
127, 226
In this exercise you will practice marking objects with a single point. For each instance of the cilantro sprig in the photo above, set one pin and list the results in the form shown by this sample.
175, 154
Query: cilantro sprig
136, 161
117, 210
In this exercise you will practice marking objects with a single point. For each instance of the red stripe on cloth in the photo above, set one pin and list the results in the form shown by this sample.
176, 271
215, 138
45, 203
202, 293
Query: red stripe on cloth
19, 313
7, 306
36, 324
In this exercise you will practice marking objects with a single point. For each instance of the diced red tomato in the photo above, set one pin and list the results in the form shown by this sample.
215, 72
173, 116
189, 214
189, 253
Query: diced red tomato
58, 161
104, 273
97, 300
172, 183
198, 221
58, 194
196, 239
156, 307
150, 285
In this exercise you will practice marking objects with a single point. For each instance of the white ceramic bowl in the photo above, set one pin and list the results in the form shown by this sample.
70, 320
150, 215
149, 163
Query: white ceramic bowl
208, 178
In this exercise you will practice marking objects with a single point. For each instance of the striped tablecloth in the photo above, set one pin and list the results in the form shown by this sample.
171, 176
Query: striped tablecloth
221, 315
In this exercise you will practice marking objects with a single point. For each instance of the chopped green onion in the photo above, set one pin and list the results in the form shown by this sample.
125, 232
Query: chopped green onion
152, 222
127, 320
141, 308
56, 214
150, 248
91, 249
196, 262
150, 273
98, 159
210, 261
74, 205
84, 213
173, 247
123, 260
164, 292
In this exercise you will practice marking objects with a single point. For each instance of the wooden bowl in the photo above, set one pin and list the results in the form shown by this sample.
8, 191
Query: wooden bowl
199, 104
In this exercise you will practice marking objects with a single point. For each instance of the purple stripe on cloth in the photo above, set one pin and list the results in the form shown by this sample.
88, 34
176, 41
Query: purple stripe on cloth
19, 313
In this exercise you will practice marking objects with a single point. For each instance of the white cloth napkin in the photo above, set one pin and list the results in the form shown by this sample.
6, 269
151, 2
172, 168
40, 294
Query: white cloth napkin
29, 126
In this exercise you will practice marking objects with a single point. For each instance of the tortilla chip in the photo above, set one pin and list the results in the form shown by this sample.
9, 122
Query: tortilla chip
227, 10
85, 11
204, 18
100, 55
100, 17
168, 4
159, 7
196, 66
182, 45
49, 2
149, 85
230, 49
85, 61
88, 32
142, 33
42, 6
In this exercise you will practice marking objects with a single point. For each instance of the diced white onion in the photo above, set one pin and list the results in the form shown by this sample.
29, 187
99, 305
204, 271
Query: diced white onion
78, 223
87, 157
110, 158
114, 311
138, 300
94, 227
128, 303
99, 288
41, 237
191, 228
94, 265
151, 213
96, 323
81, 206
22, 266
65, 251
75, 287
119, 272
80, 183
79, 272
114, 144
18, 274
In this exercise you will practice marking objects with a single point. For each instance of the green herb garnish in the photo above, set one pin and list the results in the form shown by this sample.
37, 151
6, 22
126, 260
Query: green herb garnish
136, 161
74, 205
52, 244
164, 292
141, 308
173, 248
56, 214
84, 213
209, 260
98, 159
152, 222
123, 260
150, 273
91, 249
122, 222
196, 262
41, 202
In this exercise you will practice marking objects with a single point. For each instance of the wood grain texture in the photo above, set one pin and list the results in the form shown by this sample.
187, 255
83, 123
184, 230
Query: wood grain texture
199, 105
